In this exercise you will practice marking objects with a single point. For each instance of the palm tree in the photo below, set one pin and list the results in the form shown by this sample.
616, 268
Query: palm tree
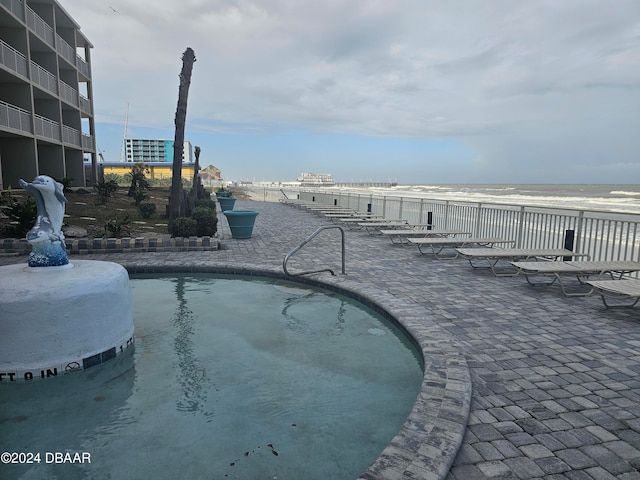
176, 199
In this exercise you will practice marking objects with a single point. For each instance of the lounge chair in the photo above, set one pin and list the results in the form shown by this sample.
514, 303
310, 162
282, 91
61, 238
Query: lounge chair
436, 245
374, 226
401, 235
617, 290
493, 255
582, 270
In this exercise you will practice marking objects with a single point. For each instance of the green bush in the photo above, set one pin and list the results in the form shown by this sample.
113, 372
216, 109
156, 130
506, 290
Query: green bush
106, 188
139, 195
146, 209
206, 221
22, 215
120, 180
117, 226
206, 202
183, 227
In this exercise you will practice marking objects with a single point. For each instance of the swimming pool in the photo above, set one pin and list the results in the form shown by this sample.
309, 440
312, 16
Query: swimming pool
230, 377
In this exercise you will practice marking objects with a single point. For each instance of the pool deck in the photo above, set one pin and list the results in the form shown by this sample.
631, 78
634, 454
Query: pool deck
520, 381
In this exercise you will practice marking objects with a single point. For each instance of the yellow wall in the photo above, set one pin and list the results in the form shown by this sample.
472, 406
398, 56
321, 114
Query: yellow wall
157, 172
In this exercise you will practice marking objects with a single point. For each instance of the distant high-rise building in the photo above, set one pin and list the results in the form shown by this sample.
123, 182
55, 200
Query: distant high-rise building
154, 150
46, 98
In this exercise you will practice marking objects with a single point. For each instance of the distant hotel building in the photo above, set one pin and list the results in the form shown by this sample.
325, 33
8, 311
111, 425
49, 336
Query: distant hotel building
46, 98
152, 151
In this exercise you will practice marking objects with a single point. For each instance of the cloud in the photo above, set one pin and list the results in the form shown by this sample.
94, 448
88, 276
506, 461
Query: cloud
517, 81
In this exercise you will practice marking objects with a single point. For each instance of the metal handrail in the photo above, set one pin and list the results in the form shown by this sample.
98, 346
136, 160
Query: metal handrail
307, 240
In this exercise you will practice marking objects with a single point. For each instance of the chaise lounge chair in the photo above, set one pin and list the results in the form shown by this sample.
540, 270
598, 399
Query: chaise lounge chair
493, 255
617, 290
436, 245
581, 269
400, 236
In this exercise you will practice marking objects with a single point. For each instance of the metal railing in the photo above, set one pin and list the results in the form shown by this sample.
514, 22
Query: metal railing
40, 27
15, 117
47, 128
65, 50
603, 235
71, 136
13, 59
85, 104
68, 93
307, 240
15, 7
44, 78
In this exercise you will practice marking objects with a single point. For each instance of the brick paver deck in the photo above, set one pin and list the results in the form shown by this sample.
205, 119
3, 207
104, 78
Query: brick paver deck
526, 382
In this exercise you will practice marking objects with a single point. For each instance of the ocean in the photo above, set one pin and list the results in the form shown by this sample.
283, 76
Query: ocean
608, 198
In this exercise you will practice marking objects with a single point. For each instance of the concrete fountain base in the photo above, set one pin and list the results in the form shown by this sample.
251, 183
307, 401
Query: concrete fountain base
57, 320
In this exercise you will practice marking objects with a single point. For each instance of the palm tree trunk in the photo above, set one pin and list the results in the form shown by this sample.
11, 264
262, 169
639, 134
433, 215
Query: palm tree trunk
176, 199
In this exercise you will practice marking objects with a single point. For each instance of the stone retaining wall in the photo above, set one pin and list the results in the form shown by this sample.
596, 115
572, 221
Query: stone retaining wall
85, 246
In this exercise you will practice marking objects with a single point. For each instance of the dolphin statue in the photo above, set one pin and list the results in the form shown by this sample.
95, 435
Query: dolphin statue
50, 202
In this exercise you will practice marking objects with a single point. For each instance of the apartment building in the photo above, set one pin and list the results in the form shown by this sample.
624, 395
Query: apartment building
46, 99
154, 150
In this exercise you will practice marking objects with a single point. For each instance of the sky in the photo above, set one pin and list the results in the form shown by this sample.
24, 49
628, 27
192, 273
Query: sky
408, 91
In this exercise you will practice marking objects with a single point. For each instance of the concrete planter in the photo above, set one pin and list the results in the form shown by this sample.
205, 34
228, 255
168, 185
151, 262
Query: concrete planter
226, 203
241, 222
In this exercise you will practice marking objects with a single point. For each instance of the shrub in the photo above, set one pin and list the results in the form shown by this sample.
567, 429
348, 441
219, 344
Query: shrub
206, 221
113, 177
22, 215
117, 225
183, 227
146, 209
139, 195
206, 202
106, 188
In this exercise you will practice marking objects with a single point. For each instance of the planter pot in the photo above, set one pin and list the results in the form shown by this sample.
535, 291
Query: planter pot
241, 222
223, 194
226, 203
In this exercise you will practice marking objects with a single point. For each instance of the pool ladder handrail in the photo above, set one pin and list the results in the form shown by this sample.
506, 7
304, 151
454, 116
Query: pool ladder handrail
307, 240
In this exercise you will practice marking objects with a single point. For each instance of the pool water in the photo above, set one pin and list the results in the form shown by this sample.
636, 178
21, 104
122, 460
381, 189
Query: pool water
230, 377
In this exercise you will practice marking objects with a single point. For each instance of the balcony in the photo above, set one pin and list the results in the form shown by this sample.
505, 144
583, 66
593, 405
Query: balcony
15, 7
13, 60
15, 118
85, 105
87, 143
83, 66
43, 78
68, 93
65, 50
47, 128
40, 28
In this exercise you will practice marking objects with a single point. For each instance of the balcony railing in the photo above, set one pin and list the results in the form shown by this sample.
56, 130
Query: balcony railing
42, 77
68, 93
15, 7
83, 66
65, 50
13, 59
40, 27
15, 118
47, 128
71, 136
85, 105
87, 142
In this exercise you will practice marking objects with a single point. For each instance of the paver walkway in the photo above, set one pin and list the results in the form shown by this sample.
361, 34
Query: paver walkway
555, 380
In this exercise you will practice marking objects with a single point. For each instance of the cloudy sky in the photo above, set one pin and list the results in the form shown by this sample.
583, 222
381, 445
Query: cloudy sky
414, 91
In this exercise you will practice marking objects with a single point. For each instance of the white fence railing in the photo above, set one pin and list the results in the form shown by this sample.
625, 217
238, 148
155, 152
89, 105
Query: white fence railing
15, 117
603, 235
